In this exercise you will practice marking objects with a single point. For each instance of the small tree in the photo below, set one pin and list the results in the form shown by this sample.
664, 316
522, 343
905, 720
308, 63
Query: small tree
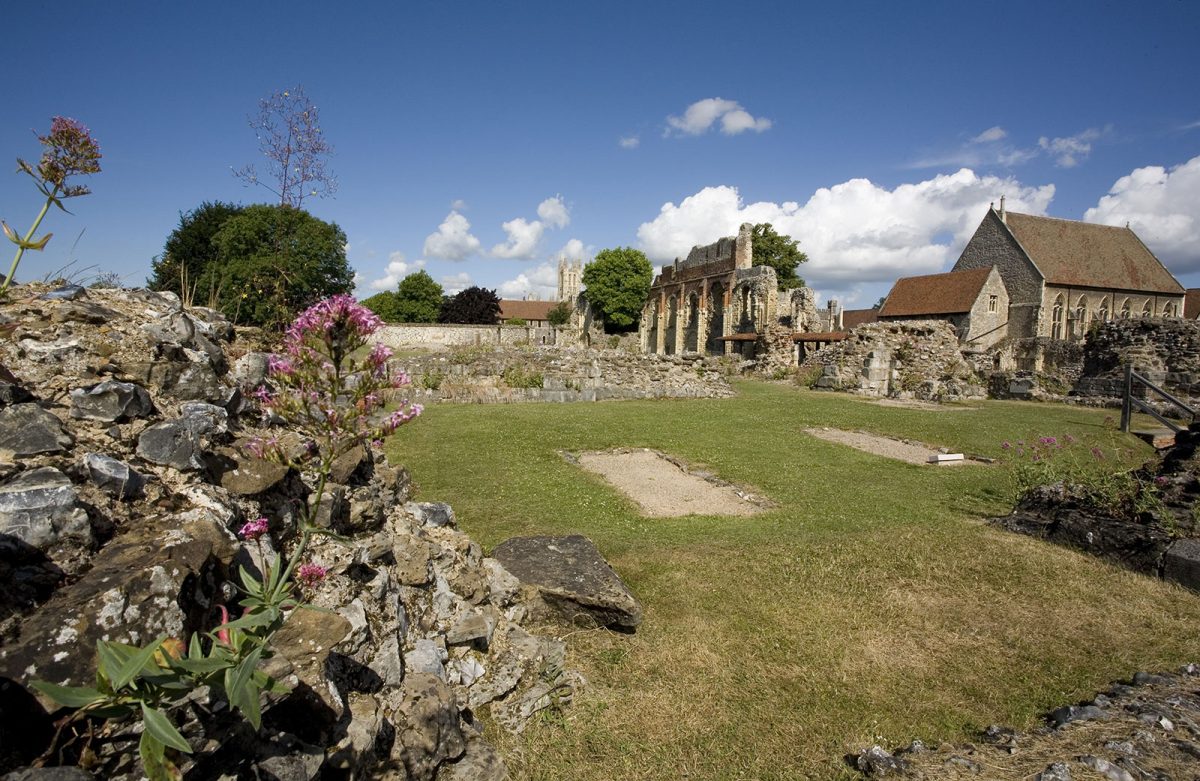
475, 306
384, 305
274, 261
289, 136
418, 299
617, 282
781, 253
189, 254
560, 314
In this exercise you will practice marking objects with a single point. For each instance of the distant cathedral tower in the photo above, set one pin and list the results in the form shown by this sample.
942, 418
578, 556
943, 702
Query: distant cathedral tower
570, 279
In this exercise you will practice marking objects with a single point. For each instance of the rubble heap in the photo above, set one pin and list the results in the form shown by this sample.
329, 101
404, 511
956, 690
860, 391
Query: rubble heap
123, 480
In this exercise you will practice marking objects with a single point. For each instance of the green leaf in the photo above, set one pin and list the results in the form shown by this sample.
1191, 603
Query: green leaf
70, 696
241, 690
161, 728
251, 620
201, 666
249, 582
267, 683
135, 663
154, 760
110, 660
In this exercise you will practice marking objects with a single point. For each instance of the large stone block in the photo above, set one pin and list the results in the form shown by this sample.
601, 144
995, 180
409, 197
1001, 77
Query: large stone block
1181, 563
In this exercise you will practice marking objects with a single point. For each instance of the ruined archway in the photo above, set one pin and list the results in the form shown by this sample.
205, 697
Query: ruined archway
672, 325
691, 334
650, 323
716, 318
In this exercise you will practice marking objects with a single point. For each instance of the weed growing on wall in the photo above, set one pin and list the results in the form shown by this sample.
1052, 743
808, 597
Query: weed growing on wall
334, 400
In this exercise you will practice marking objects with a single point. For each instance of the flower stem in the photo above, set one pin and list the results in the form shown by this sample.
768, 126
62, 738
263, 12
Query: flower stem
28, 238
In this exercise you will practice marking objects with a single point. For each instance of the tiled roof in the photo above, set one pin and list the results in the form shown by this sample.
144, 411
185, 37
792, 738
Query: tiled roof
1084, 254
526, 310
852, 318
1191, 303
935, 294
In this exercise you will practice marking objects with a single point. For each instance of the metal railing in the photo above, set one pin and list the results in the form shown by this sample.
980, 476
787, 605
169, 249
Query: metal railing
1128, 402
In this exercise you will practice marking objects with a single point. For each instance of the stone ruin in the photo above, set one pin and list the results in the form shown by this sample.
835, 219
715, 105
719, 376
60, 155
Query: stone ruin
914, 359
123, 481
715, 302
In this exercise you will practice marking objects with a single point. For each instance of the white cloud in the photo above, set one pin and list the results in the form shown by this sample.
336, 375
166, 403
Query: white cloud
574, 250
456, 283
855, 232
397, 269
1068, 152
553, 212
990, 135
540, 284
701, 115
1163, 208
458, 205
453, 239
628, 142
523, 237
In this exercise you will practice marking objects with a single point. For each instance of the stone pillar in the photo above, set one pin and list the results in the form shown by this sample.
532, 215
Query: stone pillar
743, 255
661, 345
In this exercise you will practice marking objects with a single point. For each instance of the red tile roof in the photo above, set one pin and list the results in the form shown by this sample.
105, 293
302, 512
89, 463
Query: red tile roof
526, 310
1191, 303
1084, 254
852, 318
951, 293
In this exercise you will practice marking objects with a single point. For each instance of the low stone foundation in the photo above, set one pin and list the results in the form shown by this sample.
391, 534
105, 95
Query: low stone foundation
490, 376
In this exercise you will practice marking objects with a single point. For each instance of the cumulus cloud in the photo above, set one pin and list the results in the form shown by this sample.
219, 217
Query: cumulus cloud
992, 134
522, 241
855, 232
553, 212
540, 284
455, 283
452, 240
1068, 152
397, 269
699, 117
574, 250
458, 205
628, 142
1162, 206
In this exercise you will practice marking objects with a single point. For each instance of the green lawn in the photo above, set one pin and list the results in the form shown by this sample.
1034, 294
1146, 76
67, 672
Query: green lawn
872, 604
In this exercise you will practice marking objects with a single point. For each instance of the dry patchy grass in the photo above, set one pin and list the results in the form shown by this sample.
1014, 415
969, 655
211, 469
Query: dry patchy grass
870, 605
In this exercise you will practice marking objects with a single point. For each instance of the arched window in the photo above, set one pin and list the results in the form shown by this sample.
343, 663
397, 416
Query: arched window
1081, 316
1147, 309
1056, 319
1169, 309
1125, 309
1102, 312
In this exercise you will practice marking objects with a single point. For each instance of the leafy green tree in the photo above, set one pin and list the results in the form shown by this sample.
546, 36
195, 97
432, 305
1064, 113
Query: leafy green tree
560, 314
384, 305
274, 261
616, 283
189, 252
780, 252
418, 299
475, 305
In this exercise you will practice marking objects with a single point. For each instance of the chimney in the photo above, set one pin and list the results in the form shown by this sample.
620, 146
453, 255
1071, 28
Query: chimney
1002, 216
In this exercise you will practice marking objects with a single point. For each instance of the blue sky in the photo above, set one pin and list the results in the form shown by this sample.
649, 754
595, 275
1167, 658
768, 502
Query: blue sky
875, 133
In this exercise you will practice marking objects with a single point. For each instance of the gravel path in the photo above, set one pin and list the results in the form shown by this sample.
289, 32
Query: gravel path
661, 488
911, 452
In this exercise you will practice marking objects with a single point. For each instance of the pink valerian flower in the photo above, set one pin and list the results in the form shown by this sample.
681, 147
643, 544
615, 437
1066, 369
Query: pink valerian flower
1048, 441
1005, 445
311, 574
252, 530
401, 416
256, 448
340, 311
223, 634
262, 394
70, 150
280, 365
1162, 481
379, 355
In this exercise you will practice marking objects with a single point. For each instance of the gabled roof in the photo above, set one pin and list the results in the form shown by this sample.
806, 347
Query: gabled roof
1084, 254
951, 293
526, 310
